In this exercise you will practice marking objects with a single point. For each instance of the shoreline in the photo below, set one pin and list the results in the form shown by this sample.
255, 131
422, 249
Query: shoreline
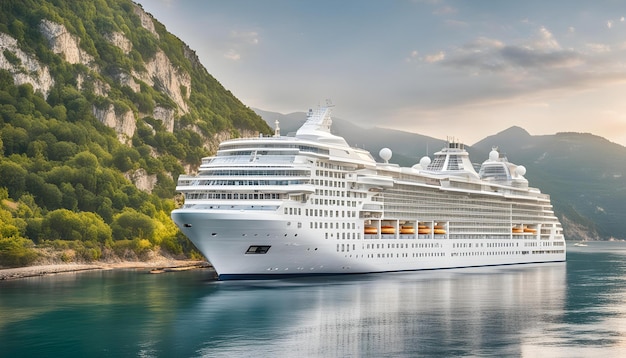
160, 266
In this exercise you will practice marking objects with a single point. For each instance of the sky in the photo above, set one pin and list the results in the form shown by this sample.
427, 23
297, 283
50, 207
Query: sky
443, 68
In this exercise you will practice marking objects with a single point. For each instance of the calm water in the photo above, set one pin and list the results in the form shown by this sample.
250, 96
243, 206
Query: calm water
573, 309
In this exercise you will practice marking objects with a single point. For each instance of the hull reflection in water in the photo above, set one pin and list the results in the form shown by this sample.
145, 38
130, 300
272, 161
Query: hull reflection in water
455, 312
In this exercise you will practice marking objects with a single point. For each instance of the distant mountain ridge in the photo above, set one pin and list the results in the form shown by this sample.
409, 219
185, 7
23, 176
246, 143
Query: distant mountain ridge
584, 174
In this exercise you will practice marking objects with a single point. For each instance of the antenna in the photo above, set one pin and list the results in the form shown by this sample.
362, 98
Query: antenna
276, 128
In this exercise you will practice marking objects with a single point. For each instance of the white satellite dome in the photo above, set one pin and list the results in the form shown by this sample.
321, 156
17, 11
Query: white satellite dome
385, 154
494, 155
425, 162
520, 170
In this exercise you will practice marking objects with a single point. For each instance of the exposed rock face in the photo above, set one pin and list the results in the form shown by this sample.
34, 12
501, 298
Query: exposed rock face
146, 20
142, 180
162, 74
118, 39
192, 56
575, 231
62, 42
124, 124
165, 115
126, 79
27, 70
159, 73
100, 88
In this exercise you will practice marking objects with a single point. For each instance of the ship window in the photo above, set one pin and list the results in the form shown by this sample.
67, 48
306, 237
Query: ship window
496, 172
455, 163
437, 163
254, 249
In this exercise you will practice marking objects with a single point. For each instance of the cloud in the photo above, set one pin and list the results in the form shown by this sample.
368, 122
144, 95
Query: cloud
438, 57
598, 48
232, 55
609, 24
414, 55
545, 40
530, 58
492, 55
240, 43
535, 69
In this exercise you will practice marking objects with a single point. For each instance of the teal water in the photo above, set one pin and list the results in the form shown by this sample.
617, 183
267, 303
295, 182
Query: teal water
572, 309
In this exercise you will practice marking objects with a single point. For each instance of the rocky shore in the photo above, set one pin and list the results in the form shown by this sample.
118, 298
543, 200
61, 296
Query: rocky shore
150, 266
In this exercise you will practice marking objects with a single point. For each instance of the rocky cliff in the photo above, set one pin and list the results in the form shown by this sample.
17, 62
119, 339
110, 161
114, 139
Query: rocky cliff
24, 67
153, 88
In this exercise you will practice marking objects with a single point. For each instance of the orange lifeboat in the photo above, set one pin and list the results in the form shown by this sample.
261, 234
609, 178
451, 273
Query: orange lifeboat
407, 230
517, 230
370, 230
387, 230
529, 230
424, 230
439, 230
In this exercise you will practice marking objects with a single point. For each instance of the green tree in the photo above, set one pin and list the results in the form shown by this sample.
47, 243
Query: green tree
131, 224
124, 158
63, 224
15, 139
16, 252
12, 177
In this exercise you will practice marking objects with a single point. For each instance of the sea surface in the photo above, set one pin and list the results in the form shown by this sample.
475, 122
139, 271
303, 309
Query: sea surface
572, 309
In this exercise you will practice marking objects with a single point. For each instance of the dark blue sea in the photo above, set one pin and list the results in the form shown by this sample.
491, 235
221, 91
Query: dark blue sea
572, 309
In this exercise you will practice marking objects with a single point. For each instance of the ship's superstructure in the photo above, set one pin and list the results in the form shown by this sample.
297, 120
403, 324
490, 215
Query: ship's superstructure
311, 204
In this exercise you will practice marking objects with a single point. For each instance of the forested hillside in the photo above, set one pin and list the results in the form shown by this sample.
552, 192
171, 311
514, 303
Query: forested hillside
101, 109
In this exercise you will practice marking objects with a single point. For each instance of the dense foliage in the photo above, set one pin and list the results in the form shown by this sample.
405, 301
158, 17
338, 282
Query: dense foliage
62, 171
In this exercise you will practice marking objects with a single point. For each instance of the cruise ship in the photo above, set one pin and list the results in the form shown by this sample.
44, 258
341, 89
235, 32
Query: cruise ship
310, 204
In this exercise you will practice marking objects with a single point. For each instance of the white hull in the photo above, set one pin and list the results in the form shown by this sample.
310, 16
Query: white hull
224, 238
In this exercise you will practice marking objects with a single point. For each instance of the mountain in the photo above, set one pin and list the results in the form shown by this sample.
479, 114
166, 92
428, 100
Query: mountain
584, 174
101, 109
